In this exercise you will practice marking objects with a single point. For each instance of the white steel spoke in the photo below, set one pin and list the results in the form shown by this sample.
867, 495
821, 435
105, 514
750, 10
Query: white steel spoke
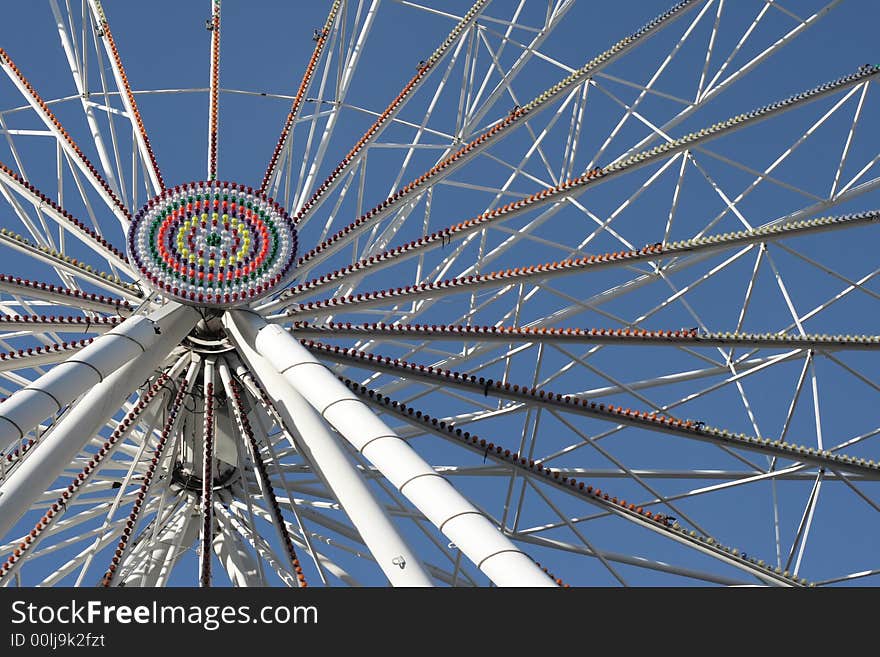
554, 194
145, 150
638, 515
81, 87
551, 270
580, 405
286, 138
64, 139
517, 117
390, 112
716, 88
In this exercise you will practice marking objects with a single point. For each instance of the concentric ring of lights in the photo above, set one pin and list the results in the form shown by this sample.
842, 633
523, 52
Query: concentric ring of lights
215, 244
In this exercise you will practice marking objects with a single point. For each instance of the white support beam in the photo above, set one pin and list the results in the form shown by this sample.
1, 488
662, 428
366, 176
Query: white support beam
151, 561
320, 448
106, 393
559, 336
40, 356
61, 296
65, 264
286, 138
136, 336
477, 537
45, 205
450, 161
467, 283
385, 119
63, 324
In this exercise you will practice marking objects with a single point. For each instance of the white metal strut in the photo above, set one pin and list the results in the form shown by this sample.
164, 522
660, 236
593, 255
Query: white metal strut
433, 495
318, 445
105, 395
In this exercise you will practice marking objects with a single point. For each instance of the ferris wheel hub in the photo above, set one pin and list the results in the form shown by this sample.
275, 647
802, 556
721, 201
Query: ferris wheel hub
208, 337
188, 478
213, 244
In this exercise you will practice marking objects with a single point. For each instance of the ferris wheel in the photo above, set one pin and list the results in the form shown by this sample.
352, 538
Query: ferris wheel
439, 293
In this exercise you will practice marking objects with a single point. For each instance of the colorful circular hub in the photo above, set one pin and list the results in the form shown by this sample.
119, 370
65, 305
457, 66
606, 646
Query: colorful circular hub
215, 244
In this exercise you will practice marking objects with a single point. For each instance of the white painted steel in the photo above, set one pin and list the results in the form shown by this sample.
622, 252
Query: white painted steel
320, 448
98, 14
103, 399
158, 556
60, 136
445, 507
81, 89
51, 392
237, 561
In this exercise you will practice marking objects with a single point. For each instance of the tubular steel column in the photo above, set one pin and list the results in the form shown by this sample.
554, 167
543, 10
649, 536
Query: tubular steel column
319, 447
106, 395
445, 507
87, 368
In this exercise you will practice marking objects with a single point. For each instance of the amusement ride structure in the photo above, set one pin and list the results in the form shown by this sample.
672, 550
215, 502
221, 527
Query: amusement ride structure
565, 311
